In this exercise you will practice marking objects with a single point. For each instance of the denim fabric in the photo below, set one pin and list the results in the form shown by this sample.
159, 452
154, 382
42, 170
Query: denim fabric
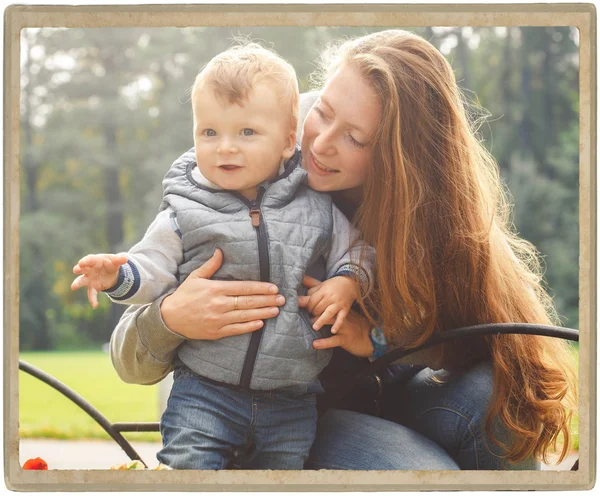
433, 421
450, 410
349, 440
399, 372
210, 427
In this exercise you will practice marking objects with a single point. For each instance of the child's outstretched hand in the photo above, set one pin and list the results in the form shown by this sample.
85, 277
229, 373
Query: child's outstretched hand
98, 272
332, 297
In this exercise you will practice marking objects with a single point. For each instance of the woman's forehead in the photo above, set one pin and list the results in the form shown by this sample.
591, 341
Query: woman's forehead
350, 95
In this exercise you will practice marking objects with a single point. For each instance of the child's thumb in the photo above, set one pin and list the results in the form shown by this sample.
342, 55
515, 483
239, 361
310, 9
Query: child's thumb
208, 268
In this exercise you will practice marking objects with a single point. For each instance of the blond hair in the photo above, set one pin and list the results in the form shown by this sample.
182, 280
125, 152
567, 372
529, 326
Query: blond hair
233, 74
446, 254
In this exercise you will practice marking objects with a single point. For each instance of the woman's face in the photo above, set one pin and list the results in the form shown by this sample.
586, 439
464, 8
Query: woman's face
337, 148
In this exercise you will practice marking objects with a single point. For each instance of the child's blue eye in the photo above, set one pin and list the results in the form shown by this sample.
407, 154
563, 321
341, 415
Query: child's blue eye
210, 132
247, 131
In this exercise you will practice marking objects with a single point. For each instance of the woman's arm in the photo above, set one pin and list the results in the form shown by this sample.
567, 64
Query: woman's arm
141, 346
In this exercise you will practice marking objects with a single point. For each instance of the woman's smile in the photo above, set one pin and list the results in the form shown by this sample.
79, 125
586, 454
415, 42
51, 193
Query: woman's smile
318, 167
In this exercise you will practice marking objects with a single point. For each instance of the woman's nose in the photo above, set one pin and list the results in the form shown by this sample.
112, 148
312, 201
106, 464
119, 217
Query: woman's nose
323, 143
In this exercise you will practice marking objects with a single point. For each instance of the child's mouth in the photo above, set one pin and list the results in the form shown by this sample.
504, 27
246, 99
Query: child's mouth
229, 167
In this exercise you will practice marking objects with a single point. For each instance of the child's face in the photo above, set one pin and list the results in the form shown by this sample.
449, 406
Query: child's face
237, 148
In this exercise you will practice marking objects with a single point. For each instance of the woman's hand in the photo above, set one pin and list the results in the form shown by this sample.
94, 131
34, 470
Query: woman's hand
205, 309
353, 335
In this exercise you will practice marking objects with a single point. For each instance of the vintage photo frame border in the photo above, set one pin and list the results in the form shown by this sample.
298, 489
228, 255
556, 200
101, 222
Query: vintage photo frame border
581, 16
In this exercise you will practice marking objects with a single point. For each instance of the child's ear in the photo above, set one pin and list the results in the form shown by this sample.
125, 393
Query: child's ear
290, 148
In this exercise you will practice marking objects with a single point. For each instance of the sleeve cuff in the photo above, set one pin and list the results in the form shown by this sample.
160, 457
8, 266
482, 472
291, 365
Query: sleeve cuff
155, 335
351, 270
127, 284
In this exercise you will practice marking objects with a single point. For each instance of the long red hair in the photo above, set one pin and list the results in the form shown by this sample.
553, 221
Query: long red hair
446, 252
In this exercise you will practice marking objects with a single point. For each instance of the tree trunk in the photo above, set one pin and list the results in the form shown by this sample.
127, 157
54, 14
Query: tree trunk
114, 207
548, 107
526, 119
37, 290
463, 59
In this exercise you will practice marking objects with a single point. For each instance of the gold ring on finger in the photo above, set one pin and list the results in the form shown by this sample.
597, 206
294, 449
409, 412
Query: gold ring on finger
235, 303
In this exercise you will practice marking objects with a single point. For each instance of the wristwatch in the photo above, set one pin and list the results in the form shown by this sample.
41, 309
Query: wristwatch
378, 341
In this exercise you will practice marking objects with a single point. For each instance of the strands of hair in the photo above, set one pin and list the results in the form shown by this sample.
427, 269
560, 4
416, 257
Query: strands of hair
234, 73
450, 257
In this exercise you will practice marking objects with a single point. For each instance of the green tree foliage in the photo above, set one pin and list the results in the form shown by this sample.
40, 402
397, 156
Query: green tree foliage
106, 111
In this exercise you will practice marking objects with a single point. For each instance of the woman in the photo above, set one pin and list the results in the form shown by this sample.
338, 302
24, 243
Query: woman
445, 257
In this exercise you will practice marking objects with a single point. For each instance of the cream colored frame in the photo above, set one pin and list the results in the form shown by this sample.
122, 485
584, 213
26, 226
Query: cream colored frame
581, 16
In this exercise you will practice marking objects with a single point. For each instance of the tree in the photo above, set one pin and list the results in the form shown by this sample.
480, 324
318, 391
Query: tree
35, 329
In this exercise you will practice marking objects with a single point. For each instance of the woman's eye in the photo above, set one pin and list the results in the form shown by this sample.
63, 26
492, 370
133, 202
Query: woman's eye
209, 132
319, 111
247, 131
356, 143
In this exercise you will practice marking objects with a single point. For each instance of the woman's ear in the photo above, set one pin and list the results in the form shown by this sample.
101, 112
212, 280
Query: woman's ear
290, 148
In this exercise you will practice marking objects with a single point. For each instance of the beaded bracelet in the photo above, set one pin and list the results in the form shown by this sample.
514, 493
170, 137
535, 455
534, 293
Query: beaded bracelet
378, 341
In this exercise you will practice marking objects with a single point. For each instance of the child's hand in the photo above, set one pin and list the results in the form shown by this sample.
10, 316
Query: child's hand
332, 297
98, 272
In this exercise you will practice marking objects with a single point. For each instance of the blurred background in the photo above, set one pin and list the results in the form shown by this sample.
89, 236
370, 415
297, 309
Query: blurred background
105, 111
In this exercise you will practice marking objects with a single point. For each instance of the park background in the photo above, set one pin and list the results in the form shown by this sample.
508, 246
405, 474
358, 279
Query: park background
105, 111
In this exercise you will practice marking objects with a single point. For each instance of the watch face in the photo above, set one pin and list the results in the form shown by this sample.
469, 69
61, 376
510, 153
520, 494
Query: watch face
378, 336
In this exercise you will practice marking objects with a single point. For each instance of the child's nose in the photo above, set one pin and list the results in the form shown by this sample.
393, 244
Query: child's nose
227, 146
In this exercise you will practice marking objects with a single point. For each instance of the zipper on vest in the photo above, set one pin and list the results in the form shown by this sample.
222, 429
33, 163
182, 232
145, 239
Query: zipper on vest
265, 276
255, 214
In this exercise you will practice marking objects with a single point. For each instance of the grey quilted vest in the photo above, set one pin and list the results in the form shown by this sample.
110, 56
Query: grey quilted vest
288, 235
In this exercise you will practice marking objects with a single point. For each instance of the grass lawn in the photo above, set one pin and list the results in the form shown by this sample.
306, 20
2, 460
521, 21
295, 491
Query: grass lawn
44, 412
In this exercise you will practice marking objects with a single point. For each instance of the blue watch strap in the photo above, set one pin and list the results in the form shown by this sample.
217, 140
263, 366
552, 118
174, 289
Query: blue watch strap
378, 341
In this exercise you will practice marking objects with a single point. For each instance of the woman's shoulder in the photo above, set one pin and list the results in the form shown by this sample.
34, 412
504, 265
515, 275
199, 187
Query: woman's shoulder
308, 98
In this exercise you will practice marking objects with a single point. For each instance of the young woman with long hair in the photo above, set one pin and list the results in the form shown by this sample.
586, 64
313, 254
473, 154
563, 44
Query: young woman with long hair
446, 252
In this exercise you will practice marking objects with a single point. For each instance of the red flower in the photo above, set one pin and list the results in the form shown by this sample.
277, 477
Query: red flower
35, 464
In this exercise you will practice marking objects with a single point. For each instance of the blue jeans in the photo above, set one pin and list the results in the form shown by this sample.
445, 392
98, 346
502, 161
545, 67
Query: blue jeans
208, 426
435, 421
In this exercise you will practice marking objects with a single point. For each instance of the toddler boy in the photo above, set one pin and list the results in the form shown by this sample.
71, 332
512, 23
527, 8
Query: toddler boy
248, 399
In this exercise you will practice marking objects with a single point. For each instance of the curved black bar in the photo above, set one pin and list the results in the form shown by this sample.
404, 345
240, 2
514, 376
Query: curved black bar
463, 332
136, 426
84, 405
116, 428
473, 331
